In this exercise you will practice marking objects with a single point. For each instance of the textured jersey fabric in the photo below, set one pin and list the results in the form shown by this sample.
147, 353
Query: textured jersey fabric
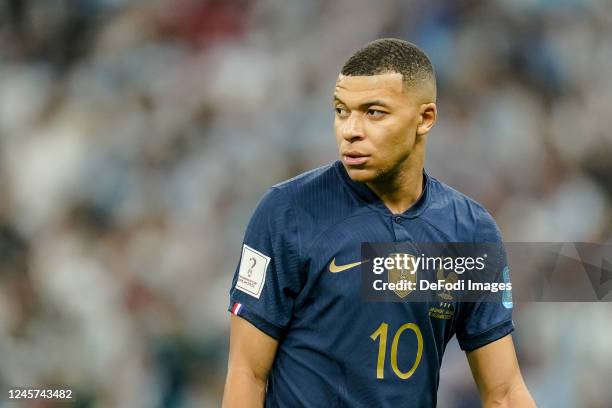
329, 352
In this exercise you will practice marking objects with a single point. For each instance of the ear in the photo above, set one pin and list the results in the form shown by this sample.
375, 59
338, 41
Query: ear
428, 113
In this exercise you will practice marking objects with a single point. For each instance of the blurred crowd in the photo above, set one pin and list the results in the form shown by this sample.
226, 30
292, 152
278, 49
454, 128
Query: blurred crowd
136, 138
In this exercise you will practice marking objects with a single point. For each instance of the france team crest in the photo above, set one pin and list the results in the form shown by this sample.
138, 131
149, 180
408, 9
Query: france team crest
409, 274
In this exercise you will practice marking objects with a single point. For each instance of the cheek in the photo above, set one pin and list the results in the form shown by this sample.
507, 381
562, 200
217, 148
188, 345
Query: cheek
337, 131
387, 137
392, 142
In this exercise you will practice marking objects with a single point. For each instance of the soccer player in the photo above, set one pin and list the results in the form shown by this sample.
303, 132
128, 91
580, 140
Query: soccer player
301, 334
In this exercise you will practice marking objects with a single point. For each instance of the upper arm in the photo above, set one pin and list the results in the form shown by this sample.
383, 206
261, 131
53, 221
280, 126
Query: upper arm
251, 356
269, 276
487, 316
265, 286
497, 375
251, 350
494, 364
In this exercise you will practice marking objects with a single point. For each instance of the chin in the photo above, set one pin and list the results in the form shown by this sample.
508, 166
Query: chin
362, 175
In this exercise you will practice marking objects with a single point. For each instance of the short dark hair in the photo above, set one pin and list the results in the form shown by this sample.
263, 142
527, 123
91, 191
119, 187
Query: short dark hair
391, 55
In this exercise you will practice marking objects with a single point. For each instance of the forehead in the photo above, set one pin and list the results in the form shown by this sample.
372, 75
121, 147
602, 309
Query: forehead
388, 85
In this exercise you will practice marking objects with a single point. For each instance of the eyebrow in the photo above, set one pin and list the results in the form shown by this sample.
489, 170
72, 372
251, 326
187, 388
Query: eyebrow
365, 104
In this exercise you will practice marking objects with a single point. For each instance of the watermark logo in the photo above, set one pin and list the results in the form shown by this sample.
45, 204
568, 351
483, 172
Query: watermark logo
480, 272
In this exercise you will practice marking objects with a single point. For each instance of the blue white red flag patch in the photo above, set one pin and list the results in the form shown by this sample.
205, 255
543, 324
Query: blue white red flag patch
237, 308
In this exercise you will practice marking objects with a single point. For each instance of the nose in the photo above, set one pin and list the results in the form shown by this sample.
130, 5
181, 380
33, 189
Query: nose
352, 128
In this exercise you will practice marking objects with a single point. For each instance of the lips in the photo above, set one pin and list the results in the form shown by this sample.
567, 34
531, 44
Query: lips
353, 158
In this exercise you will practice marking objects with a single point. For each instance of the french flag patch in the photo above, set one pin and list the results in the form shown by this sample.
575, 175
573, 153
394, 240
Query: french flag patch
237, 308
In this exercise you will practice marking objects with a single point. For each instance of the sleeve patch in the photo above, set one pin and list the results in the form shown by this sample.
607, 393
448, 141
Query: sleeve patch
507, 296
237, 308
252, 273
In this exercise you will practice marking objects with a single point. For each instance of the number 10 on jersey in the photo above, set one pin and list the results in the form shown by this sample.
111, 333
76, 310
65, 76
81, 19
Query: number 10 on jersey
381, 334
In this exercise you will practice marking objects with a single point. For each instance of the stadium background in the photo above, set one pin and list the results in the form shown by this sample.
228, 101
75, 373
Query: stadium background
137, 136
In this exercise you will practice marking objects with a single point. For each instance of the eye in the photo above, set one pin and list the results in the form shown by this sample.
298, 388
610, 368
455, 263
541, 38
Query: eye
341, 112
376, 114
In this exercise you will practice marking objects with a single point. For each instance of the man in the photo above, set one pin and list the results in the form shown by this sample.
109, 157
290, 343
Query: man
301, 335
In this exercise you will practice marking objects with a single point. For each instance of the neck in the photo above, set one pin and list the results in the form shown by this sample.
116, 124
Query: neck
400, 189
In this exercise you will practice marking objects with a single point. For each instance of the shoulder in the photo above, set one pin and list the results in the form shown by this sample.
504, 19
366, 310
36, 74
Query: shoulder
302, 186
314, 201
315, 181
318, 191
318, 194
471, 220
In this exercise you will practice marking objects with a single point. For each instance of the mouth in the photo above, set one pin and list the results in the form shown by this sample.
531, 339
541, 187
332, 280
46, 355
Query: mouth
353, 158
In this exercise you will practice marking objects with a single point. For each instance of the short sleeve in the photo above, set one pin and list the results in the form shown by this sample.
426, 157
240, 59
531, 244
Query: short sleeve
483, 322
267, 279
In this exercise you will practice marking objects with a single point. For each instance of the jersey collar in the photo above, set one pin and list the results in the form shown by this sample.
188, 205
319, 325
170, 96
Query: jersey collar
364, 193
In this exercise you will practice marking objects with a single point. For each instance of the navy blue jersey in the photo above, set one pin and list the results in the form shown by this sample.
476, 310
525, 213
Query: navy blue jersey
295, 283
